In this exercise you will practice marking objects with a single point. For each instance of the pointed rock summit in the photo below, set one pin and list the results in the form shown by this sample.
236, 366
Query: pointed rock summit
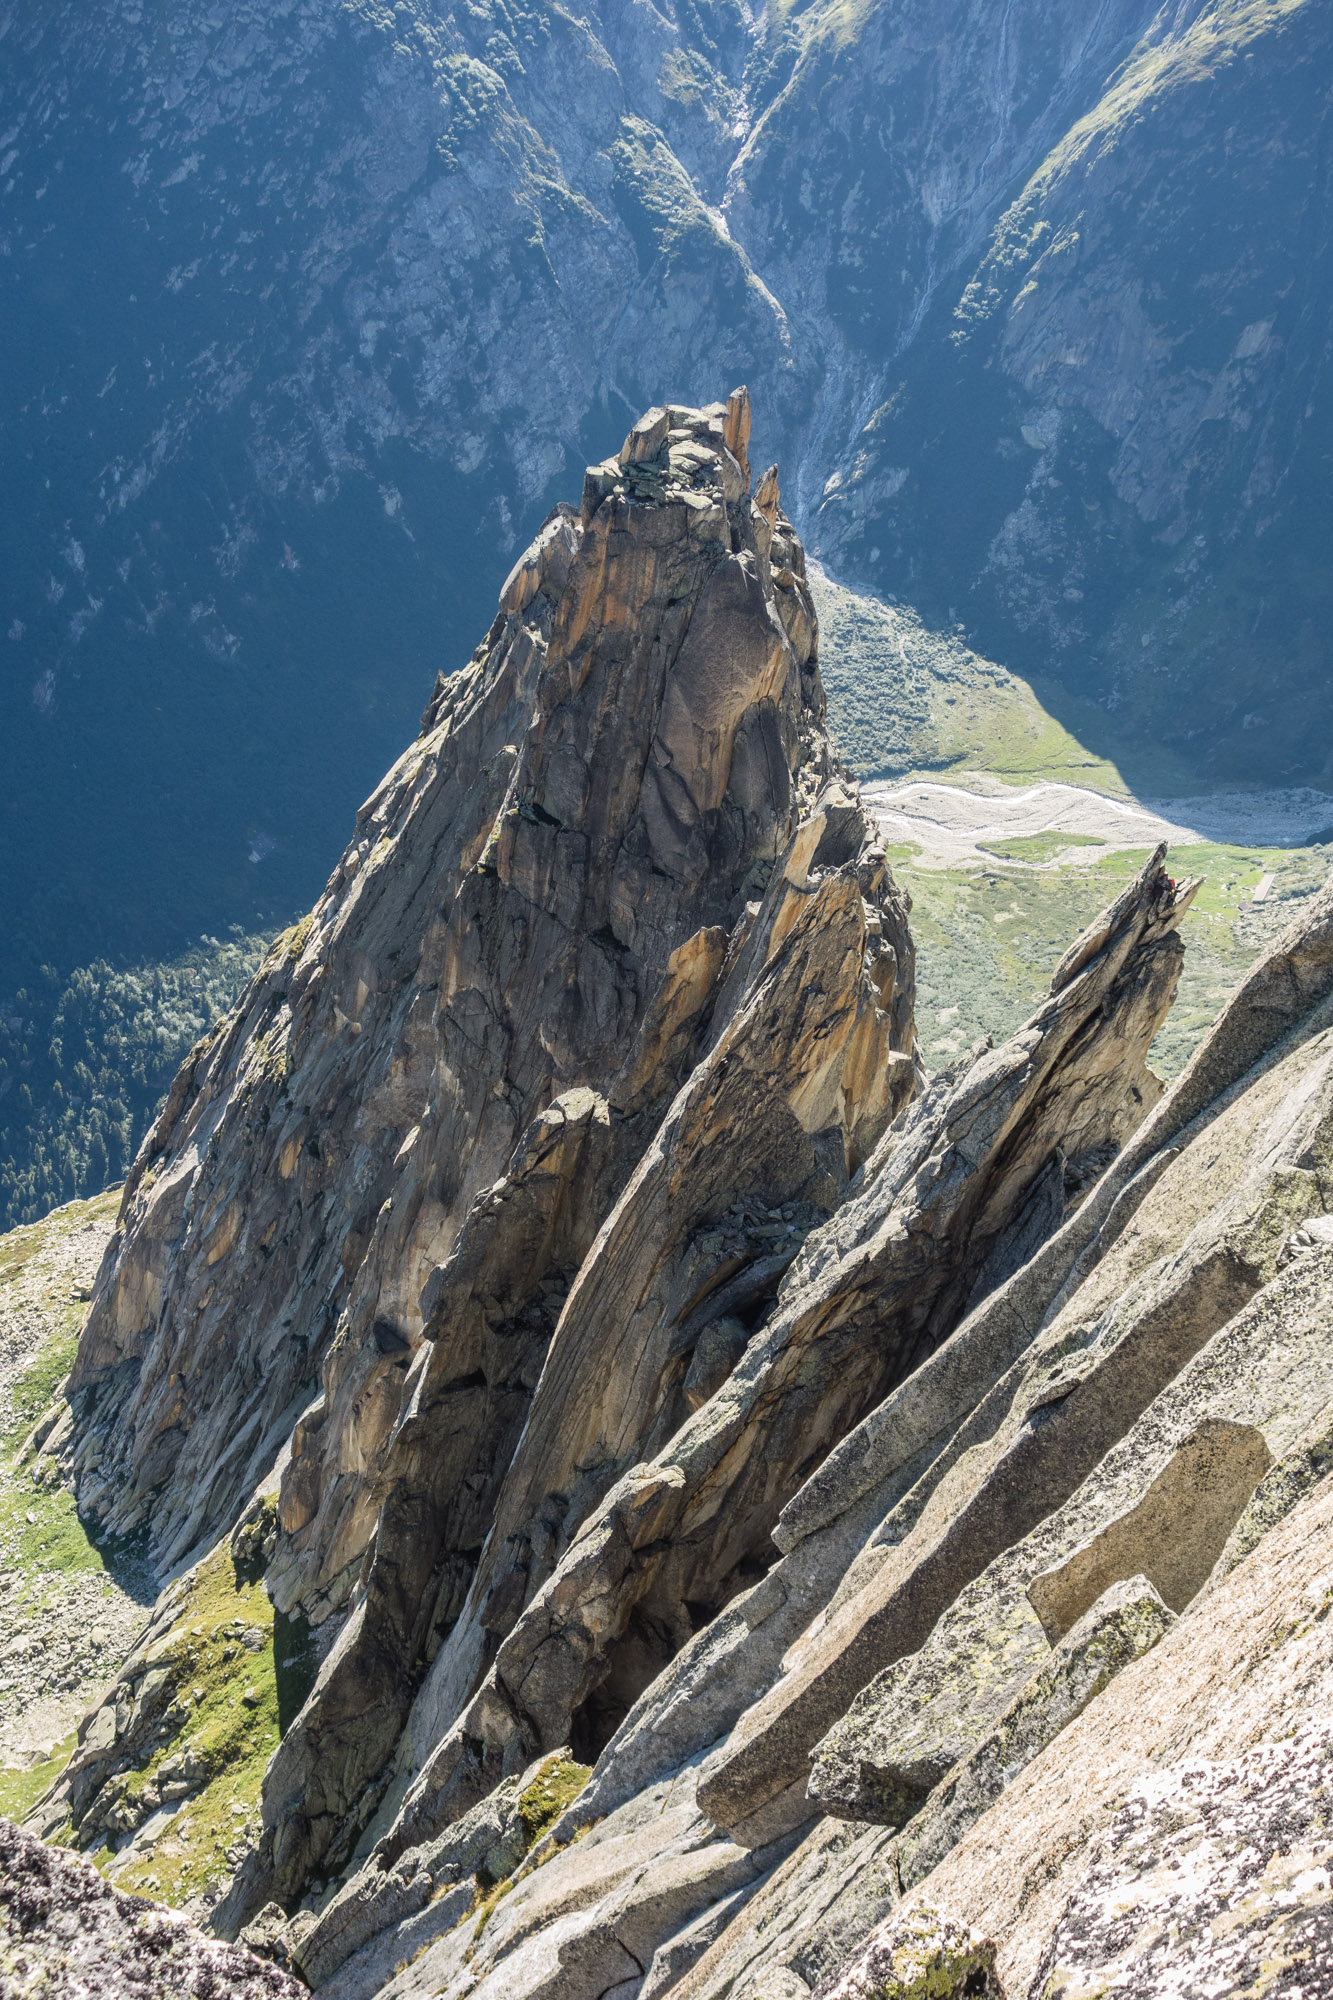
518, 959
749, 1499
614, 959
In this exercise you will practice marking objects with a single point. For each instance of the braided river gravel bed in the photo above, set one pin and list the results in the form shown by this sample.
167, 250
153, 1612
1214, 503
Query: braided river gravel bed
1002, 876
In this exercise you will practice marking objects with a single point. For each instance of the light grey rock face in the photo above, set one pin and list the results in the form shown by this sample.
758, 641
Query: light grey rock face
418, 1900
1125, 1623
1217, 1874
1175, 1533
897, 1742
917, 1236
63, 1930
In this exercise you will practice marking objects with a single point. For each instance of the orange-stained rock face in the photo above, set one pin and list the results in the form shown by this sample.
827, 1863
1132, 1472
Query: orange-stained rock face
348, 1243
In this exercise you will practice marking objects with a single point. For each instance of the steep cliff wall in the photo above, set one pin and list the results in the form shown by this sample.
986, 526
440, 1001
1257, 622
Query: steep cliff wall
540, 901
733, 1480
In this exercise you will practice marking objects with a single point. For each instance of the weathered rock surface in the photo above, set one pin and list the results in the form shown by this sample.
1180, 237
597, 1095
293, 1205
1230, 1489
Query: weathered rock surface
539, 900
64, 1931
1251, 1665
1187, 1290
701, 1392
1211, 1876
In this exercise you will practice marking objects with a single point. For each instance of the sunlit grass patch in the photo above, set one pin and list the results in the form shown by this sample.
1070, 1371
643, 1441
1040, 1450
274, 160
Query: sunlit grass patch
1034, 849
20, 1790
39, 1524
989, 936
225, 1716
48, 1534
558, 1782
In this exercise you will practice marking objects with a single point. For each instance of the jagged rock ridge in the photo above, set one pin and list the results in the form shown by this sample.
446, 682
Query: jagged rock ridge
818, 1453
619, 846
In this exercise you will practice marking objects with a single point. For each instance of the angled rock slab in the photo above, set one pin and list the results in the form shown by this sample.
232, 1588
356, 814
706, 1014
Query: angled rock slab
1142, 1207
1124, 1624
1296, 1473
1250, 1661
1046, 1424
862, 1771
1175, 1535
938, 1706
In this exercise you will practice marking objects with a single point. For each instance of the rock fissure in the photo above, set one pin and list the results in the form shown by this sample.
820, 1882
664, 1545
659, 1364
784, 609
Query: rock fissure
713, 1480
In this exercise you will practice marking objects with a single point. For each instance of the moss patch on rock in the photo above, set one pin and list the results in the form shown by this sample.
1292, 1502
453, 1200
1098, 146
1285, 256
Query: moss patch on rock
540, 1804
551, 1793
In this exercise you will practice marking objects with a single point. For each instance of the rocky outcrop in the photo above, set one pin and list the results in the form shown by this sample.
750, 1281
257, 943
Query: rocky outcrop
919, 1955
1133, 1411
615, 965
63, 1930
887, 1756
688, 1526
743, 1474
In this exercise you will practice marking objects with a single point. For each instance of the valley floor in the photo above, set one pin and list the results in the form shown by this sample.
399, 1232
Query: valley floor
1048, 824
1002, 876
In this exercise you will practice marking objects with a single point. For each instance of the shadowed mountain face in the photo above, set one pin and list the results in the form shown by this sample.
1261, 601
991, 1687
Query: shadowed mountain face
310, 310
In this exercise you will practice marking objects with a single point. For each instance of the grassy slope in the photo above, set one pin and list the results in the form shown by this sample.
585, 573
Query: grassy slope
904, 701
39, 1530
41, 1537
225, 1713
988, 939
229, 1698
